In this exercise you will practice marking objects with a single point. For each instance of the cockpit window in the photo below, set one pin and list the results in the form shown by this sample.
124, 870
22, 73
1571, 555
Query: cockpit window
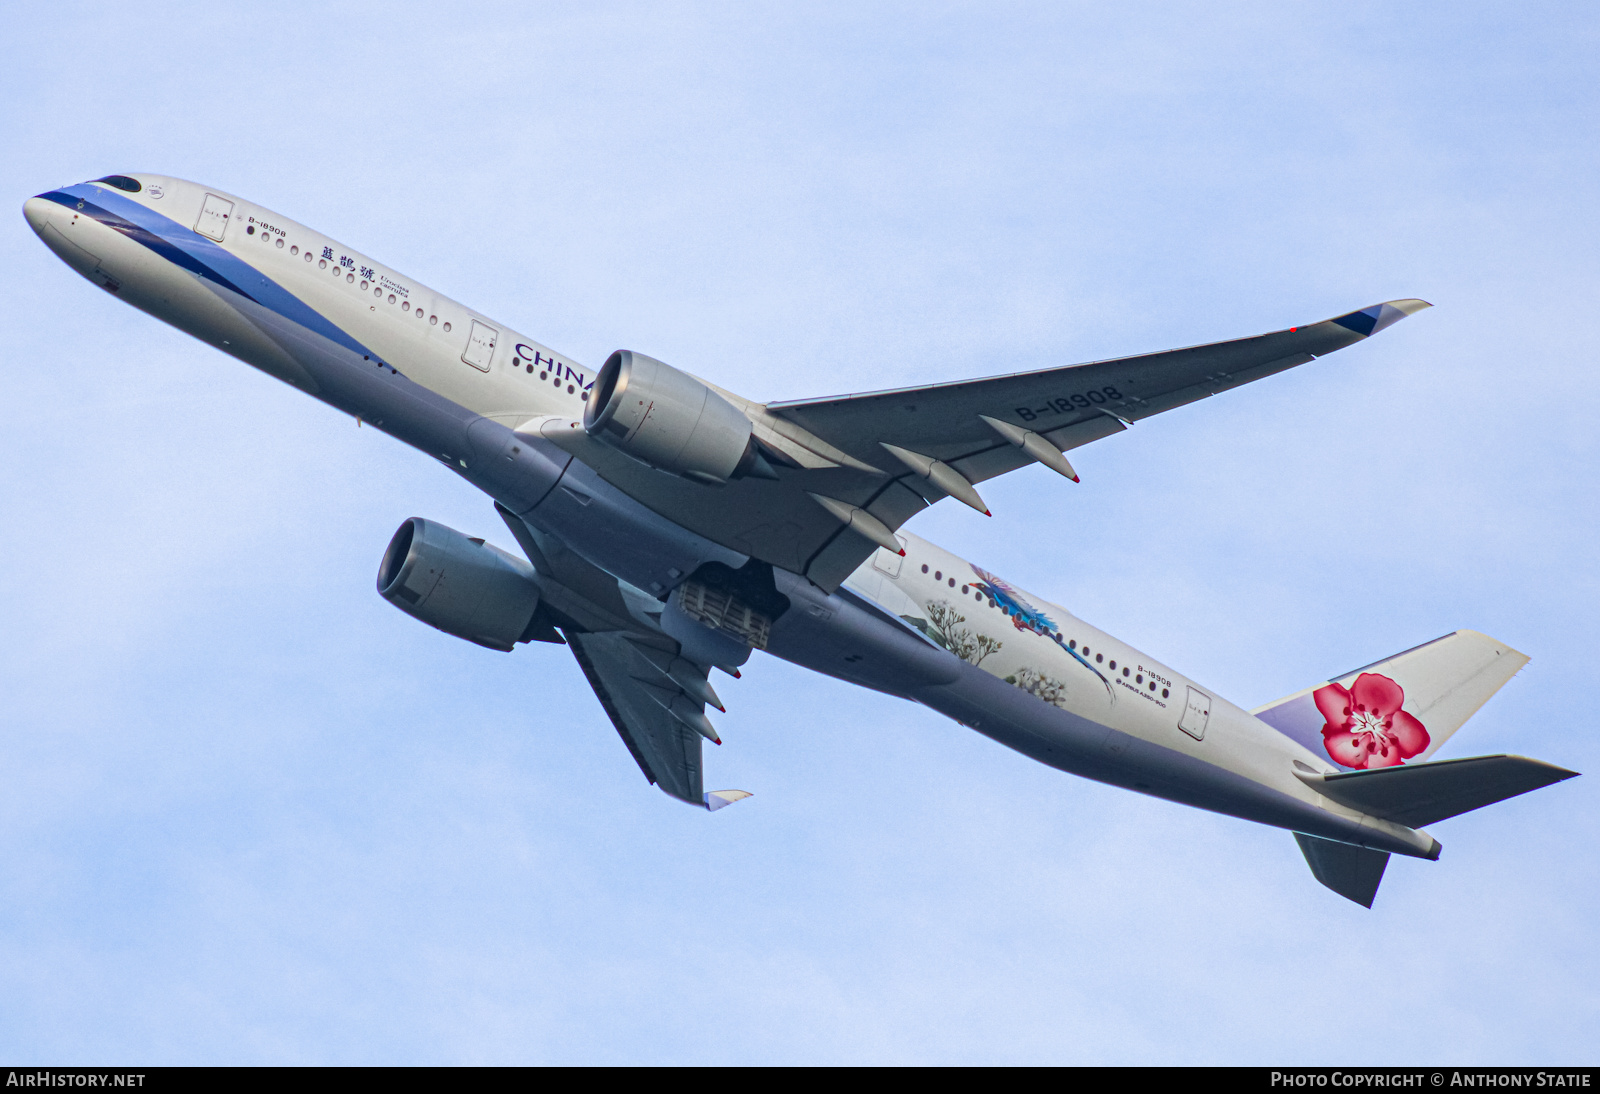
122, 182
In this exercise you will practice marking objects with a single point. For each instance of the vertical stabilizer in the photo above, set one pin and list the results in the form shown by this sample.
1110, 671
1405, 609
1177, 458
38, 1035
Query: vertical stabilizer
1400, 709
1352, 872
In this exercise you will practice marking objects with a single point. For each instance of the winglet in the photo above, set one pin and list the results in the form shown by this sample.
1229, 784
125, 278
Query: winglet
1369, 321
716, 799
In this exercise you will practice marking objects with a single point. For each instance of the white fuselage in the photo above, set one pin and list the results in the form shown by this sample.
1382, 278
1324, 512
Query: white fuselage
458, 384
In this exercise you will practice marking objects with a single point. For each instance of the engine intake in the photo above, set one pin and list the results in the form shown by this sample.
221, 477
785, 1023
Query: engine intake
459, 584
671, 421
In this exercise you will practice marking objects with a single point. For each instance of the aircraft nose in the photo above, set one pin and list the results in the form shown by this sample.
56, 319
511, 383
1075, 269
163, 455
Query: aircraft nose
38, 212
61, 230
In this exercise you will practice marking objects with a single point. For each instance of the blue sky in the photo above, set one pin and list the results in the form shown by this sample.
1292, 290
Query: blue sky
253, 814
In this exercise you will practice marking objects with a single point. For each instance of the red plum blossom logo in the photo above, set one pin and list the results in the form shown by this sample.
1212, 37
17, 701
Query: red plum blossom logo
1365, 726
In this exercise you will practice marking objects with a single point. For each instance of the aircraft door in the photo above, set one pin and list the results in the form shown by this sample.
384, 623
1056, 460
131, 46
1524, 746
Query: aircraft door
1196, 714
480, 346
214, 215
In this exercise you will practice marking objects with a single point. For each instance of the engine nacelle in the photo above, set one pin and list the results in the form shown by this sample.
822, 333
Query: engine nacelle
671, 421
459, 584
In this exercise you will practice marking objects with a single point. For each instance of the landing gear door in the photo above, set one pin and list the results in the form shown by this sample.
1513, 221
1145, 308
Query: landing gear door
1196, 714
214, 215
480, 346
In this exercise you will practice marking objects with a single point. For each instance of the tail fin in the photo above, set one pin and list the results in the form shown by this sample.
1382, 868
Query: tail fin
1352, 872
1399, 709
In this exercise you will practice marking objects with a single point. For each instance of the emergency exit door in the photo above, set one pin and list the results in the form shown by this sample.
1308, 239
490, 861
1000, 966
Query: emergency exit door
887, 563
480, 346
1196, 714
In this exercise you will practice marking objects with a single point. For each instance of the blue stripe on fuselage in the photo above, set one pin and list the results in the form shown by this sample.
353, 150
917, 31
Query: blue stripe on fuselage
176, 255
189, 250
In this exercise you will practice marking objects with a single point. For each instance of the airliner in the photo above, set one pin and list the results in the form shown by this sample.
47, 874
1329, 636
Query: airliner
666, 527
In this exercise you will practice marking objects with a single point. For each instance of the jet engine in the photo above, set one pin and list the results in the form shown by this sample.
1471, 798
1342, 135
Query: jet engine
459, 584
671, 421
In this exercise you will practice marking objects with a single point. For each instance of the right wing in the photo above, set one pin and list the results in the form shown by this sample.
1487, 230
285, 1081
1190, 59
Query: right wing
853, 468
1069, 406
652, 711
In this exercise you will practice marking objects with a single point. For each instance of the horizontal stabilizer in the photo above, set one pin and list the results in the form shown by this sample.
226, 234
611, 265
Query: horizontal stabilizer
1419, 794
1352, 872
716, 799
